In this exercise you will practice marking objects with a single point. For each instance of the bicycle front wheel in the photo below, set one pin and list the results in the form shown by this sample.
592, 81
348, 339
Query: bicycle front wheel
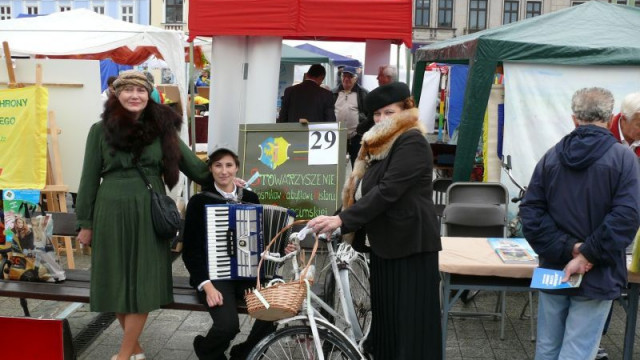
357, 290
296, 343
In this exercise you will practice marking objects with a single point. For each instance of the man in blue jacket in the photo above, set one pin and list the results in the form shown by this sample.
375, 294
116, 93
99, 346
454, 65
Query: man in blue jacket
581, 210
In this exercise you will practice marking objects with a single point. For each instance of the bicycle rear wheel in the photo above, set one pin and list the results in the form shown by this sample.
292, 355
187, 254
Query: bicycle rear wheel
296, 342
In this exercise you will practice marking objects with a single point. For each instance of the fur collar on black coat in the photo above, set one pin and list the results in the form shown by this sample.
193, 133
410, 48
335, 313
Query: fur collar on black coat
126, 133
376, 144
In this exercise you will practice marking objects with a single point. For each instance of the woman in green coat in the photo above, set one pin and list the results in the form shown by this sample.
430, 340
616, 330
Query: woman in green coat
130, 265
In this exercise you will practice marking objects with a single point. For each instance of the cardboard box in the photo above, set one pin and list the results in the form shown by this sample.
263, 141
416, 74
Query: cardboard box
172, 92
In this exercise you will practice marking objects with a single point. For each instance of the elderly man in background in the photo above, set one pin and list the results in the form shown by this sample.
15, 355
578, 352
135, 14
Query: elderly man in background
626, 125
350, 111
626, 128
387, 74
308, 100
580, 212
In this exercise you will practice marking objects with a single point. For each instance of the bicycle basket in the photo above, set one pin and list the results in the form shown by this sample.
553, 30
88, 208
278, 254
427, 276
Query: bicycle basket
283, 299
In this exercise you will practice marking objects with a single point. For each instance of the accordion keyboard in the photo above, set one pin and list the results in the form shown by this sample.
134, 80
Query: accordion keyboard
234, 240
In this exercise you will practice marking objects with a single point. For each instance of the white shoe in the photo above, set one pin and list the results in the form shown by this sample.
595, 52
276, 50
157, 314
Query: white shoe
138, 357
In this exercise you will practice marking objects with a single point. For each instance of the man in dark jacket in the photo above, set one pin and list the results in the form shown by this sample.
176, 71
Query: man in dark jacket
581, 210
350, 111
308, 100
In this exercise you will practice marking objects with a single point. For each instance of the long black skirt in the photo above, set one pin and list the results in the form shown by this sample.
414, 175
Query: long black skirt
405, 302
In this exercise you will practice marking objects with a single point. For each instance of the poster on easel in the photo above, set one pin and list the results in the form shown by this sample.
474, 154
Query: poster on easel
23, 129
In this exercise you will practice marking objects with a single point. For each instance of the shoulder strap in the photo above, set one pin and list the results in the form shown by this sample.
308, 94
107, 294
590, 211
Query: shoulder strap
229, 201
144, 177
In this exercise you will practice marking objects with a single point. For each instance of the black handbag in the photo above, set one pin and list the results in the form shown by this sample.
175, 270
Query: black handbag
164, 212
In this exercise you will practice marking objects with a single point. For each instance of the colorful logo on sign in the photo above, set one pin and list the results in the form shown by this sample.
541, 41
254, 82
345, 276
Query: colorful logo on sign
273, 152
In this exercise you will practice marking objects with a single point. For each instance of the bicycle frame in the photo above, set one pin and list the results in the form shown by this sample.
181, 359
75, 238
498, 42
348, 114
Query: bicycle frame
312, 318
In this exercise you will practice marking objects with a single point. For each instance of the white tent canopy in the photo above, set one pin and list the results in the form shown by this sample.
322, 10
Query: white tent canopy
83, 32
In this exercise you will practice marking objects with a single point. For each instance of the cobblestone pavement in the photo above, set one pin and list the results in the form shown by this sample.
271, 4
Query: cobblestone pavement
169, 333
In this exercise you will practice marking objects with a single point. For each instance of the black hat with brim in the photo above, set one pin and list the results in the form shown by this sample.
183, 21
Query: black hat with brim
385, 95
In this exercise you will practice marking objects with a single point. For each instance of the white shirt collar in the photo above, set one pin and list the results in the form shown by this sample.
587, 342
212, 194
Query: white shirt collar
228, 195
634, 144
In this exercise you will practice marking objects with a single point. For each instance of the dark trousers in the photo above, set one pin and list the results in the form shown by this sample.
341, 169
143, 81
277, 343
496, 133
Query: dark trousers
353, 147
226, 324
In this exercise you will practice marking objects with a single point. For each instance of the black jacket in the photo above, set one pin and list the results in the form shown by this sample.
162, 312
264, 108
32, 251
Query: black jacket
396, 210
194, 251
309, 101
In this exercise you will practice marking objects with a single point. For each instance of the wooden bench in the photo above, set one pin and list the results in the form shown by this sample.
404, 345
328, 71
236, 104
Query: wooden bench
76, 286
76, 289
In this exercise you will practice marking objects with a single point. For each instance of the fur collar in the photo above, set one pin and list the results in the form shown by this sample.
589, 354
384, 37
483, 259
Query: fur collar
126, 133
376, 145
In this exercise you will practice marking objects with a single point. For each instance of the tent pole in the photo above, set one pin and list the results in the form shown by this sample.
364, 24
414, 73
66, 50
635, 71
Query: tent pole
192, 106
408, 64
192, 111
398, 58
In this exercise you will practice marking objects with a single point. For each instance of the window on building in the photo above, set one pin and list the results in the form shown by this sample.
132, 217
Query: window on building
98, 9
534, 8
32, 10
5, 12
621, 2
65, 8
173, 11
574, 3
445, 13
510, 12
477, 15
637, 3
423, 9
127, 13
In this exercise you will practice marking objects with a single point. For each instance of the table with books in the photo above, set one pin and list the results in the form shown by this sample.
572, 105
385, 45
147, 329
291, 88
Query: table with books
473, 264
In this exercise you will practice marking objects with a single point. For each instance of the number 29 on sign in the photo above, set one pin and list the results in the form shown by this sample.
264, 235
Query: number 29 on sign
323, 146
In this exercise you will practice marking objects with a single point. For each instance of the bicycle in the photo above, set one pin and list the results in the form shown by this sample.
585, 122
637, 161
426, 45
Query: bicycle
309, 335
514, 227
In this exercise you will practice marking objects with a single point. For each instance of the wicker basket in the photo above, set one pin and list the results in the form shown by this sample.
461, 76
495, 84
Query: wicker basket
284, 299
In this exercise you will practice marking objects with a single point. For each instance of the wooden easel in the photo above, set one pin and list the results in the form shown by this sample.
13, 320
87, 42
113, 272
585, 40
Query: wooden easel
54, 191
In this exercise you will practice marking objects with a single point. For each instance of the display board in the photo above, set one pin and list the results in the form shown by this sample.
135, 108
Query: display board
74, 96
300, 167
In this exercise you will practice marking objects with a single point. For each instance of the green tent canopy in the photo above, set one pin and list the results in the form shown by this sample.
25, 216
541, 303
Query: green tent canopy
594, 33
292, 55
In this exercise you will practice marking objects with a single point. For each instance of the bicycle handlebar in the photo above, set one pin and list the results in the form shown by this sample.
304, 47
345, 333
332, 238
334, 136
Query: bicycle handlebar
507, 168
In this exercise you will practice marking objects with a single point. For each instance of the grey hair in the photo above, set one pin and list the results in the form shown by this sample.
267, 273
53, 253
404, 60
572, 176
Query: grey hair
391, 71
592, 104
630, 105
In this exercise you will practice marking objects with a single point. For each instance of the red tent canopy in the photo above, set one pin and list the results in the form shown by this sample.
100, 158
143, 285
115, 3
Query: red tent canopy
346, 20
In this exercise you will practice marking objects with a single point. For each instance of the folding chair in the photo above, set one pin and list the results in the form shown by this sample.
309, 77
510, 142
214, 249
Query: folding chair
480, 210
477, 209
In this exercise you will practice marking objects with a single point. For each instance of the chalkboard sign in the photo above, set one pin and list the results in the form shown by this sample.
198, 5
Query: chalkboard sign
300, 167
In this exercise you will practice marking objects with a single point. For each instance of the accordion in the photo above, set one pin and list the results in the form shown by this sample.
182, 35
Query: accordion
236, 235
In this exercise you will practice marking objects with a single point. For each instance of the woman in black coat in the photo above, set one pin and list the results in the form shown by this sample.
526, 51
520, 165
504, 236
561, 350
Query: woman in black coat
219, 296
388, 199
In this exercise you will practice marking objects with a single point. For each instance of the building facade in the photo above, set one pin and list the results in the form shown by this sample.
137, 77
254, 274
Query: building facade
437, 20
134, 11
